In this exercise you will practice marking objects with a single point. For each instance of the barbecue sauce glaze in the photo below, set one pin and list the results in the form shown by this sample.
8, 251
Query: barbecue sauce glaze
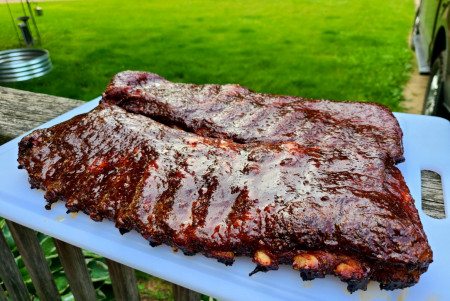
351, 212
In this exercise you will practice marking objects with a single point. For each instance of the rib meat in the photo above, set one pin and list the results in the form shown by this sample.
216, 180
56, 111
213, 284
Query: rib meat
237, 113
280, 203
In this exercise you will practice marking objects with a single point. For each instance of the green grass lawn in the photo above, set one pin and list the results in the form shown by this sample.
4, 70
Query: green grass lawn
341, 50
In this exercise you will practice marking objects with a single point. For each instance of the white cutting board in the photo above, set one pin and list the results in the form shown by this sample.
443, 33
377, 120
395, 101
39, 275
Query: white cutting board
427, 146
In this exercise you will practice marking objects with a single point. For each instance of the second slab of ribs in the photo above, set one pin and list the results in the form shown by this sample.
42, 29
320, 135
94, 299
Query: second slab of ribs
237, 113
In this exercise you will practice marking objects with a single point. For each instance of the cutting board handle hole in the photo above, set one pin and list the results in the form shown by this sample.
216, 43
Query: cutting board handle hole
432, 195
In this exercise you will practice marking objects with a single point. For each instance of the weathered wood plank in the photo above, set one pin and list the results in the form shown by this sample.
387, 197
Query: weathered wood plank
72, 260
181, 293
10, 273
432, 195
123, 280
34, 259
21, 111
2, 294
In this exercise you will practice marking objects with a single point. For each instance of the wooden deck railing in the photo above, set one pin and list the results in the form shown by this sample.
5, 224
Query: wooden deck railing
22, 111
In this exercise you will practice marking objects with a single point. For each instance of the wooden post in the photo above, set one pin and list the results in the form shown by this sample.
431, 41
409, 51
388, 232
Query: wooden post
72, 259
10, 273
34, 259
123, 281
183, 294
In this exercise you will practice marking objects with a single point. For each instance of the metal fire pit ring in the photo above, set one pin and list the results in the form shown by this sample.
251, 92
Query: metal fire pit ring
23, 64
